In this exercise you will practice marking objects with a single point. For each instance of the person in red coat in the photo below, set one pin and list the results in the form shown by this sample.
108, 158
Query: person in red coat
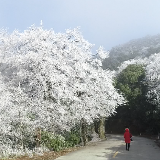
127, 137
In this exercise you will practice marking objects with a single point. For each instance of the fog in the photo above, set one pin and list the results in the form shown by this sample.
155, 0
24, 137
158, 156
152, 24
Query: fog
102, 22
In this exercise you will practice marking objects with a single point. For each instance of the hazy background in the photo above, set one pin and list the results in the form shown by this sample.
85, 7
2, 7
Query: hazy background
102, 22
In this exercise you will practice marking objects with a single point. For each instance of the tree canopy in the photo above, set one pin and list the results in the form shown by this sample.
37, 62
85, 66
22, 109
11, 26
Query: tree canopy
50, 81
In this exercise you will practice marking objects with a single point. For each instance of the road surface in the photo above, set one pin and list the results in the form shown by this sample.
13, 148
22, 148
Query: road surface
114, 148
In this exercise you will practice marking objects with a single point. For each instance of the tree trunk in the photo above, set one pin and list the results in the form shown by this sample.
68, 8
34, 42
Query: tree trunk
38, 137
83, 132
102, 128
96, 125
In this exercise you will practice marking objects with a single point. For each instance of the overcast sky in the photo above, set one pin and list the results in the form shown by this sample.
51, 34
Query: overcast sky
102, 22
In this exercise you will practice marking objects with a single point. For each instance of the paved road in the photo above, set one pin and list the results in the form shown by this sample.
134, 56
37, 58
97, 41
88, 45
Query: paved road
114, 148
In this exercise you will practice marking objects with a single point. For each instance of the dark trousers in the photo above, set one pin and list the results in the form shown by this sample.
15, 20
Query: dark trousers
127, 146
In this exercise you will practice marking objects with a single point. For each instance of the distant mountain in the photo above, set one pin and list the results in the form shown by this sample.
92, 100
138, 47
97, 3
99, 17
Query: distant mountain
142, 47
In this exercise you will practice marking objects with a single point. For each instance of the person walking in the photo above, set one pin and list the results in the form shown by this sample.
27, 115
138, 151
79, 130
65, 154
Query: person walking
127, 137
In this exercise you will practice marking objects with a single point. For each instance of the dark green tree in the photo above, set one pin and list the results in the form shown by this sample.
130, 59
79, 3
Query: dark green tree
137, 114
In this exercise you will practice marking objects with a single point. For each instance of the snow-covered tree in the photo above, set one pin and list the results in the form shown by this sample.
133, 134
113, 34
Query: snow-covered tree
153, 77
53, 81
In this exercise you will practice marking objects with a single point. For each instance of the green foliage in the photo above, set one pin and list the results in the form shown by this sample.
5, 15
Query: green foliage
72, 139
138, 113
53, 142
58, 142
129, 81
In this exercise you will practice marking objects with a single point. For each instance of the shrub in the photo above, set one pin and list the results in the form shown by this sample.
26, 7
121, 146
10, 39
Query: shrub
58, 142
52, 141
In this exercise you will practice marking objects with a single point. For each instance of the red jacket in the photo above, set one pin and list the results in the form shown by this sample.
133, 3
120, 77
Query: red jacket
127, 136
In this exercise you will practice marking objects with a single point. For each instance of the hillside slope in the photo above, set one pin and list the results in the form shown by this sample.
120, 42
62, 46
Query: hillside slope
142, 47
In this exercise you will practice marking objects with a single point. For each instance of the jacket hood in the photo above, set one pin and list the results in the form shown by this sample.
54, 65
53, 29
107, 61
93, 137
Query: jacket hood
127, 130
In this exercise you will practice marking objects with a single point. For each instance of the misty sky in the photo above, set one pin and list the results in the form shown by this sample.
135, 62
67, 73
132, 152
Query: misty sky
102, 22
